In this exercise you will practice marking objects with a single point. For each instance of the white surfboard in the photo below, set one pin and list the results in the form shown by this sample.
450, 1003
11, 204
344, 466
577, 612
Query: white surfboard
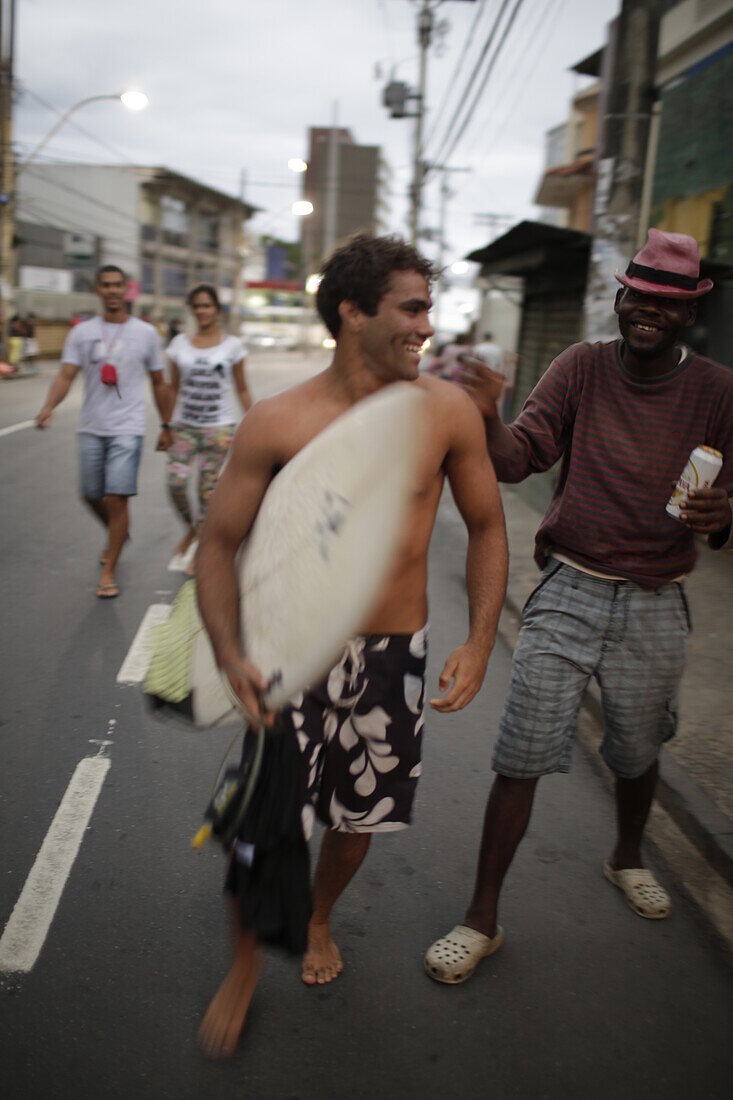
321, 547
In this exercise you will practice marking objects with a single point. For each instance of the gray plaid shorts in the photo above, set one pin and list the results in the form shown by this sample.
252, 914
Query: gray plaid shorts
574, 626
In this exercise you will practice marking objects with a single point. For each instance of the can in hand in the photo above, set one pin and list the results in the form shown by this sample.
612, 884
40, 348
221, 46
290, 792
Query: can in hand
703, 466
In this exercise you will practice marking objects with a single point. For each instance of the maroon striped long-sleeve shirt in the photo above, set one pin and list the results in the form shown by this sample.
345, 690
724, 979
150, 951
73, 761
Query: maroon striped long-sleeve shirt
623, 443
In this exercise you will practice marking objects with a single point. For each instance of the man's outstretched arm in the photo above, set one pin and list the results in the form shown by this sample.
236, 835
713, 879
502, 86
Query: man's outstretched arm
540, 434
476, 493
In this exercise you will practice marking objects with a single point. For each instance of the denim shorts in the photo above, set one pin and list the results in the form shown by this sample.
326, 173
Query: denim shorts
108, 464
574, 627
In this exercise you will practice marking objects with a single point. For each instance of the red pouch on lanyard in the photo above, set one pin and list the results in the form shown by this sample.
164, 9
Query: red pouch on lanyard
108, 374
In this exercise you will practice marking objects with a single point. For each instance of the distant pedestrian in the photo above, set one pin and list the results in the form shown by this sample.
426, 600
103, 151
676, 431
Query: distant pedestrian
623, 418
203, 370
115, 353
16, 336
448, 364
503, 362
30, 343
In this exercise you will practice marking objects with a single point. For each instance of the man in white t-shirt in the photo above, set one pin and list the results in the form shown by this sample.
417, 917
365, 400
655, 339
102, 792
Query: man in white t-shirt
115, 353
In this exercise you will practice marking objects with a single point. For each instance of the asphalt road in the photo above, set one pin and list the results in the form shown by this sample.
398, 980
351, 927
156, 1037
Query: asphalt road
583, 1000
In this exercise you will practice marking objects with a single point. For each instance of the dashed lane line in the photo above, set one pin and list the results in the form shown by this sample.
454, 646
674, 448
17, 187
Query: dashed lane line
17, 427
135, 665
26, 930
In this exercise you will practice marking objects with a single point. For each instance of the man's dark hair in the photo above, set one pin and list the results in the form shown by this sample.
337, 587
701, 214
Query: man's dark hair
107, 269
203, 288
359, 272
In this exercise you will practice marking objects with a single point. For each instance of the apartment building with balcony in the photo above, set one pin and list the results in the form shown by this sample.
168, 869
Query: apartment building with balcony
166, 230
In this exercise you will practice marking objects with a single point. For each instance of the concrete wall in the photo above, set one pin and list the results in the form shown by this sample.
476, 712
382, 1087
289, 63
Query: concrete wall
689, 32
500, 312
97, 199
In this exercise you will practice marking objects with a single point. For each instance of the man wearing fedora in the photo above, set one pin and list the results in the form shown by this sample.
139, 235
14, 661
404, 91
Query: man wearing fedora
623, 417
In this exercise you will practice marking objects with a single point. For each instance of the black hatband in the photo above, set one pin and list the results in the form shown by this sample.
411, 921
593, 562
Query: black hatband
662, 278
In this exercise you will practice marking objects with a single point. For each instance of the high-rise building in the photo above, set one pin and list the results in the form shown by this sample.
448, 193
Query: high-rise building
354, 199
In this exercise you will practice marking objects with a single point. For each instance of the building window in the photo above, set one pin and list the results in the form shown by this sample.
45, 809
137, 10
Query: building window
147, 278
204, 274
147, 232
207, 237
174, 280
174, 221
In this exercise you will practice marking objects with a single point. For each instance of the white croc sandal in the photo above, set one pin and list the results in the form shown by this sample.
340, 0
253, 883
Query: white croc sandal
641, 890
453, 958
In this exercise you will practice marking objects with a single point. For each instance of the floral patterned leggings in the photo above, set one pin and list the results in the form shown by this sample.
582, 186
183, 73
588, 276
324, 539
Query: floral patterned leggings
211, 446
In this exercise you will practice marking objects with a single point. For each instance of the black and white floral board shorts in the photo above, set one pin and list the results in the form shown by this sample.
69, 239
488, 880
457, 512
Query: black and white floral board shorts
360, 735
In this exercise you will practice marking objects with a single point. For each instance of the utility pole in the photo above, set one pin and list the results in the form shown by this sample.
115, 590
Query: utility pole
445, 195
495, 222
425, 25
7, 183
239, 242
627, 99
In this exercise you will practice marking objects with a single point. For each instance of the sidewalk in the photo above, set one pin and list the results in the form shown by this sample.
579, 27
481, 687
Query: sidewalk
696, 768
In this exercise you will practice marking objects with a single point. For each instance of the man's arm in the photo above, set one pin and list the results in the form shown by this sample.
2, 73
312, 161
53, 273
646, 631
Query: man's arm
540, 434
57, 392
476, 493
161, 396
229, 517
240, 384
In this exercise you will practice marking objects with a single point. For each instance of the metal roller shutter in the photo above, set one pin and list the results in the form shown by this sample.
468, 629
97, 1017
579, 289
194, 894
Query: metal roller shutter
550, 323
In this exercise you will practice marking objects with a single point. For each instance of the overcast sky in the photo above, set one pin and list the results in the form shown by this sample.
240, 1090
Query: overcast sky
235, 84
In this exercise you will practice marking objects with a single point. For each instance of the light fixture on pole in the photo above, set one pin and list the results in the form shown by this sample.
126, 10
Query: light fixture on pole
302, 208
460, 267
131, 99
297, 164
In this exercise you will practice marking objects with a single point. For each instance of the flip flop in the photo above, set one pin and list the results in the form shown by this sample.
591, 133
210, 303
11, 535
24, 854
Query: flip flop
642, 891
453, 958
107, 592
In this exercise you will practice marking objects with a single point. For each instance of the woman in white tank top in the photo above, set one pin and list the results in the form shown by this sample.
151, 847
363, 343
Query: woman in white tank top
203, 371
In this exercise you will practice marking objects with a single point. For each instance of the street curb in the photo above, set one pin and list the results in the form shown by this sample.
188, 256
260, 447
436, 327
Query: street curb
692, 810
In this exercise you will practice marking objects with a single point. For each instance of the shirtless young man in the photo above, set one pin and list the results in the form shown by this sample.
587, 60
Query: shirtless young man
375, 300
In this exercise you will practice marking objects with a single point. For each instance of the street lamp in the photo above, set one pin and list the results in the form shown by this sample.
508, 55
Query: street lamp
460, 267
131, 99
302, 208
297, 164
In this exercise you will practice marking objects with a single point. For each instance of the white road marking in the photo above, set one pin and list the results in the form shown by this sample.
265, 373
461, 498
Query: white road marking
179, 563
17, 427
135, 664
26, 931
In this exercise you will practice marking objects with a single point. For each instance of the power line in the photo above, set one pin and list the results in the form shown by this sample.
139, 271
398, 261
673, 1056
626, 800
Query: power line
62, 221
453, 81
107, 207
485, 49
445, 156
497, 129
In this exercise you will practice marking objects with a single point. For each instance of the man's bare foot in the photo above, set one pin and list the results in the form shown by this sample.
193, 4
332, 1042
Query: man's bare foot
183, 546
322, 960
222, 1025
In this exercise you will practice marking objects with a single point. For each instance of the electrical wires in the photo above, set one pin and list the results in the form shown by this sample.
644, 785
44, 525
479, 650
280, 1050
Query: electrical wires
455, 131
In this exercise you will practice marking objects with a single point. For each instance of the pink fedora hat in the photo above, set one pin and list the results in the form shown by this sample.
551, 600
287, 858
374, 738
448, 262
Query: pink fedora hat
667, 266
